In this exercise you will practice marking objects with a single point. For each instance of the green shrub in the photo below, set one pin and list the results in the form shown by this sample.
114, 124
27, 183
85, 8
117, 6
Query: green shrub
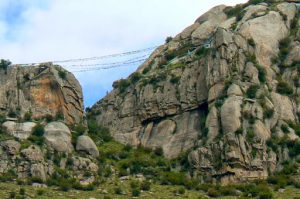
284, 88
234, 11
145, 186
135, 77
38, 130
12, 113
2, 118
168, 39
22, 191
159, 151
213, 192
146, 70
8, 176
295, 126
250, 134
118, 190
40, 192
219, 102
12, 194
134, 184
202, 52
227, 191
268, 113
97, 132
27, 116
280, 180
173, 178
169, 55
123, 84
284, 48
136, 192
59, 116
62, 74
175, 79
251, 92
261, 73
266, 195
251, 42
285, 128
181, 190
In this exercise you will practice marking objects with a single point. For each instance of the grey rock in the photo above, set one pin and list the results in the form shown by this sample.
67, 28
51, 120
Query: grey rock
85, 143
11, 146
58, 136
19, 130
33, 153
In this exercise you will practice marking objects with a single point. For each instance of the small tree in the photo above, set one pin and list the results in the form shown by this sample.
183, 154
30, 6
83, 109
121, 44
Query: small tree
4, 64
168, 39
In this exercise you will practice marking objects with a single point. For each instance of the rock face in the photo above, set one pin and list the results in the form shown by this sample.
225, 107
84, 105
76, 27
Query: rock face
221, 90
40, 91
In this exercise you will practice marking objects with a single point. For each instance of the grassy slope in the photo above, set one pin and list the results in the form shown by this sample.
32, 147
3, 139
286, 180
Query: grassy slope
157, 191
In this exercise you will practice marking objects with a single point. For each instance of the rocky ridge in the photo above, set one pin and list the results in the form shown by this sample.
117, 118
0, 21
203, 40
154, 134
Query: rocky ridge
225, 91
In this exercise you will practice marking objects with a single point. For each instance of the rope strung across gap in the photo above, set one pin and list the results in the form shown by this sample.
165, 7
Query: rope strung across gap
109, 64
108, 67
94, 58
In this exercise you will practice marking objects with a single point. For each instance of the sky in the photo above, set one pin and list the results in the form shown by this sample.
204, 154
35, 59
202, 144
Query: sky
34, 31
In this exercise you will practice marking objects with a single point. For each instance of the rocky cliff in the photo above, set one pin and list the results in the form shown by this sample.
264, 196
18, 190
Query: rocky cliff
42, 134
40, 91
225, 90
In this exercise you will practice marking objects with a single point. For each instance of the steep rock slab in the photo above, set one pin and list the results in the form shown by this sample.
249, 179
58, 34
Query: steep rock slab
266, 31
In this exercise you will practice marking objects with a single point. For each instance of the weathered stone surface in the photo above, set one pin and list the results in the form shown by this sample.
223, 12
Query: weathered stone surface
85, 143
212, 123
261, 131
200, 100
38, 171
41, 90
208, 24
33, 153
234, 90
266, 31
287, 9
11, 146
283, 106
231, 114
80, 163
19, 130
58, 136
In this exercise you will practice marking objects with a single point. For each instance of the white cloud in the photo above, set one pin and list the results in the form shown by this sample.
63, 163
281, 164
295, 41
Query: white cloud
75, 28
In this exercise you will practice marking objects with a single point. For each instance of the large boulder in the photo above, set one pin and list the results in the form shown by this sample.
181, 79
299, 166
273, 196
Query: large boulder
58, 136
33, 153
38, 171
11, 146
208, 24
86, 144
21, 131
